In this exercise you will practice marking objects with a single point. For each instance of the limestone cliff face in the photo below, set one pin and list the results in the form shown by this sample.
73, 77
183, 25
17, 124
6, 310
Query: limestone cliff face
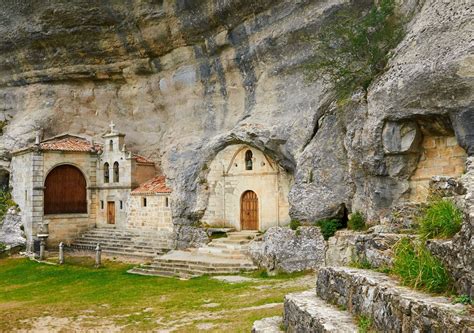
184, 78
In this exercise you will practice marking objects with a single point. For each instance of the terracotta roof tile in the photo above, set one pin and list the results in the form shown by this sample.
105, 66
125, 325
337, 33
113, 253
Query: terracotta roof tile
155, 185
69, 143
142, 159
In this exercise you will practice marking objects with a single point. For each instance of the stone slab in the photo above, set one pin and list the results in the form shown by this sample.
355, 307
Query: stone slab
305, 312
268, 325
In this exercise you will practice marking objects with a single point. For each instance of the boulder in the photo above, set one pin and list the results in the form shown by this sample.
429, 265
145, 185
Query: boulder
284, 250
341, 248
10, 232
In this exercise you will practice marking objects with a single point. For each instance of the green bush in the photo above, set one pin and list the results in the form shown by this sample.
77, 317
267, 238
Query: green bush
354, 46
418, 268
364, 324
294, 224
356, 222
463, 299
6, 201
441, 219
329, 227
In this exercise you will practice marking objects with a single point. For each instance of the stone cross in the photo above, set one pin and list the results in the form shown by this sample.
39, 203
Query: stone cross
98, 253
112, 127
61, 253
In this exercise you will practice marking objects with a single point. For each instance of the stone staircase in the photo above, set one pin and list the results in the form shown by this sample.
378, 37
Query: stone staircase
343, 294
221, 256
124, 243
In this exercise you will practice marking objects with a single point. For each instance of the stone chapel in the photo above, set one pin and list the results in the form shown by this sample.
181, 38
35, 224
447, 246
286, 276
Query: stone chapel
68, 184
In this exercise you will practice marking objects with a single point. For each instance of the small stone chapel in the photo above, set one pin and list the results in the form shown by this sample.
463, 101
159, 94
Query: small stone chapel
68, 184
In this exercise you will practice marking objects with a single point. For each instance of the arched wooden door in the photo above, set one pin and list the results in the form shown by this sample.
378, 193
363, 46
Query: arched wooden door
65, 191
249, 211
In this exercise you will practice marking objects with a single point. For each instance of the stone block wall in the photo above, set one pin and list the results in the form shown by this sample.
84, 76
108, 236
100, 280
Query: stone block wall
441, 156
156, 216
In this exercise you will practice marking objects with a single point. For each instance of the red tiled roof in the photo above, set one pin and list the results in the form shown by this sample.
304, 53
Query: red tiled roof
142, 159
155, 185
69, 143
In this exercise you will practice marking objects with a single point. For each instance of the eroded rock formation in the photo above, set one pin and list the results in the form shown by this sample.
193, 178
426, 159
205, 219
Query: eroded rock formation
184, 79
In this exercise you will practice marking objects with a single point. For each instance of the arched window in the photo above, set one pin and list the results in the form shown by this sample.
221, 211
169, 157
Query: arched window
111, 145
116, 172
106, 173
65, 191
248, 160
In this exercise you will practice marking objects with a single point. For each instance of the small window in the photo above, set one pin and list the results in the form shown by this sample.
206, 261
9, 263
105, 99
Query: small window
116, 172
121, 204
167, 202
248, 160
143, 202
111, 145
26, 195
102, 204
106, 173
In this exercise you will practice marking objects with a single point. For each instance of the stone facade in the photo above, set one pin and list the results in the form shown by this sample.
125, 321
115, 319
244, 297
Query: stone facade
228, 179
155, 216
441, 156
116, 183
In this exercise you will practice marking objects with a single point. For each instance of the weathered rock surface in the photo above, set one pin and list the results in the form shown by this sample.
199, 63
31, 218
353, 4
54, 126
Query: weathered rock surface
375, 249
10, 231
267, 325
457, 254
305, 312
286, 250
183, 79
341, 248
391, 307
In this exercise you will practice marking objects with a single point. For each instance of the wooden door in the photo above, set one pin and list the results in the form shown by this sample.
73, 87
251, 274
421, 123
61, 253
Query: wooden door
249, 211
65, 191
111, 212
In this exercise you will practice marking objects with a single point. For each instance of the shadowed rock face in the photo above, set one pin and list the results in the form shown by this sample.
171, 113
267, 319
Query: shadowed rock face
183, 79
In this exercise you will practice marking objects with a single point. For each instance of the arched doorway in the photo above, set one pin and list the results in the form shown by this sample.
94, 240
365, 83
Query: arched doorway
249, 211
65, 191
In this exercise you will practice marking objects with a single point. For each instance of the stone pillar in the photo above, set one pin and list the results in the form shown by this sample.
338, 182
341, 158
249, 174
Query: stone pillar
42, 249
37, 205
98, 254
61, 253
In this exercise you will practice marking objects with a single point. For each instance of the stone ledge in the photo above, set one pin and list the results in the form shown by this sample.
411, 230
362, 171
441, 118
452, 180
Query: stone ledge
306, 312
393, 308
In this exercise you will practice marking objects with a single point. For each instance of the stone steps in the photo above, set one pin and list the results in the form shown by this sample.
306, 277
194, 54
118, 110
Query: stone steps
343, 294
221, 256
126, 243
305, 312
392, 308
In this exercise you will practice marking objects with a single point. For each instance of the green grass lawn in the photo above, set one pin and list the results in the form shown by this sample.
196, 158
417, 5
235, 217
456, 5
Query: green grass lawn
78, 297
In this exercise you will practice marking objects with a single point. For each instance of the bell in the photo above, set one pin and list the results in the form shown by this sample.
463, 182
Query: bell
249, 164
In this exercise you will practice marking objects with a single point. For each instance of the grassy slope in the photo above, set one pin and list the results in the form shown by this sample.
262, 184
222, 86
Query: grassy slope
31, 290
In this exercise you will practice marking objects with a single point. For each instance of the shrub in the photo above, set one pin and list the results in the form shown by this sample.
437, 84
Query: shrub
441, 219
417, 268
354, 47
294, 224
364, 324
329, 227
3, 247
6, 201
356, 222
463, 299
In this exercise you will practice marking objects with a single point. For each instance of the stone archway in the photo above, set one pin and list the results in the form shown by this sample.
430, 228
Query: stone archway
65, 191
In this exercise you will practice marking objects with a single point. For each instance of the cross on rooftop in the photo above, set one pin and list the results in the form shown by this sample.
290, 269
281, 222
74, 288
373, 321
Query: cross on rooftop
112, 127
